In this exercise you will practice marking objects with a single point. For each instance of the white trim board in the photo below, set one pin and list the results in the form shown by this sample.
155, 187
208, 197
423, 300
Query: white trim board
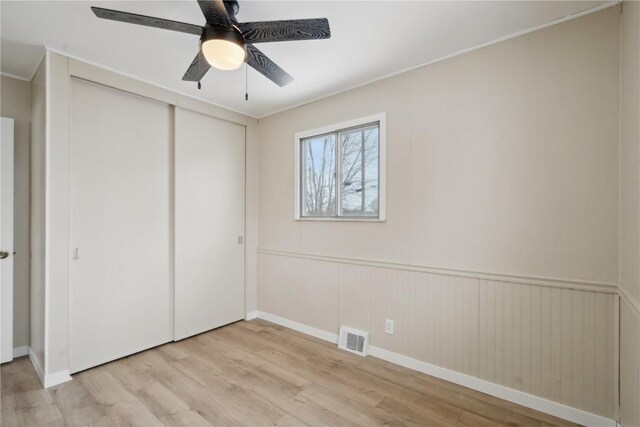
47, 211
20, 351
36, 365
51, 379
521, 398
57, 378
300, 327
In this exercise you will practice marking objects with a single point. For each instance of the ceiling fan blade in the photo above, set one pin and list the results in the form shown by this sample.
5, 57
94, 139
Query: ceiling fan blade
261, 63
149, 21
197, 69
215, 12
280, 31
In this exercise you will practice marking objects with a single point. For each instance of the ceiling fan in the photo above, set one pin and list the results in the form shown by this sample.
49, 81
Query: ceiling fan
226, 43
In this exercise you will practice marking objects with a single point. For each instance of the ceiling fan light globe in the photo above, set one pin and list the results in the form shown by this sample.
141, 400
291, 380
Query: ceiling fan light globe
223, 54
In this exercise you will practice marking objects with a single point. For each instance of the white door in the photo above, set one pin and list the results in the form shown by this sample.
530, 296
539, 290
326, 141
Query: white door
6, 240
121, 287
209, 223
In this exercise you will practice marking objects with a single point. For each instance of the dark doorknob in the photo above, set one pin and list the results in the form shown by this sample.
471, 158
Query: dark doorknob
4, 254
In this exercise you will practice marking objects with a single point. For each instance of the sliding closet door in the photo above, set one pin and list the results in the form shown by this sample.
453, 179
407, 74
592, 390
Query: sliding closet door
121, 288
209, 223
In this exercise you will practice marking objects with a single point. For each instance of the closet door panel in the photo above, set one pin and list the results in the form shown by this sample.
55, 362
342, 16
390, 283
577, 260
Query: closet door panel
121, 273
209, 223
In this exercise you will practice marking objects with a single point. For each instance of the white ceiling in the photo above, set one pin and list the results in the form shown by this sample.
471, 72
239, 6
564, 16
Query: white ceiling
370, 39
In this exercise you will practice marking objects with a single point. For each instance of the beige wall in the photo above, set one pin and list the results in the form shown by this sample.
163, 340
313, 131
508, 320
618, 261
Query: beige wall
503, 160
37, 214
630, 213
630, 148
16, 103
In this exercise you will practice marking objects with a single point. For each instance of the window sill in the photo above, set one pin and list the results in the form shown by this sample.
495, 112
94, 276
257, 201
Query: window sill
341, 219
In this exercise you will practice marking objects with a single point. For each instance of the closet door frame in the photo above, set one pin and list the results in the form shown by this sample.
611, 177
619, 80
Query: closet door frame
53, 362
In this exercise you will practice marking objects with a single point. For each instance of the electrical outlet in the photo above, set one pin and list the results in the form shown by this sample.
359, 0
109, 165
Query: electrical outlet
388, 326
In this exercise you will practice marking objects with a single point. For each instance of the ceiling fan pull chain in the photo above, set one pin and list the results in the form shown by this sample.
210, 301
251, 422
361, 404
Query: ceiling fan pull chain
246, 81
199, 85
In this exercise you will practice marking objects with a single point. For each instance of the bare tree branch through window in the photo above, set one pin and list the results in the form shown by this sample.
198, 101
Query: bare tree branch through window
340, 173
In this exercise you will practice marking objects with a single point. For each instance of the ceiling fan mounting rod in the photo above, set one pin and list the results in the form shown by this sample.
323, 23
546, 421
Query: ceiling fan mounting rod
232, 7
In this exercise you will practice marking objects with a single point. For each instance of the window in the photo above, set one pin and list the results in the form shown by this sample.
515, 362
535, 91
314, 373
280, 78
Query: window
341, 171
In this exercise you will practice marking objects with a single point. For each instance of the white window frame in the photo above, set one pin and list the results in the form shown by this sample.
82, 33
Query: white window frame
381, 119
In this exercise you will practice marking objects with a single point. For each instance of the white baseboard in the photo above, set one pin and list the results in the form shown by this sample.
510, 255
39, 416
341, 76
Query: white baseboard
57, 378
251, 315
300, 327
51, 379
36, 365
21, 351
521, 398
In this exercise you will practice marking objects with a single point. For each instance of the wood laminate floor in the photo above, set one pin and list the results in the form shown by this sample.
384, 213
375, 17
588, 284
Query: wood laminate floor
252, 373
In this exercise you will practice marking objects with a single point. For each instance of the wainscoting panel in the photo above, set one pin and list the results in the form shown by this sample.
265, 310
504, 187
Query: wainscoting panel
549, 342
299, 289
553, 342
629, 363
435, 316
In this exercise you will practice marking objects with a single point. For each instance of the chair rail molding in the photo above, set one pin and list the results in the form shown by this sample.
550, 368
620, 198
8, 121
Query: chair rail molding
553, 282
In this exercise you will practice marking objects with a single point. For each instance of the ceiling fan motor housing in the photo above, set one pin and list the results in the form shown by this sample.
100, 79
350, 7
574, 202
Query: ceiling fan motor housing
214, 32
